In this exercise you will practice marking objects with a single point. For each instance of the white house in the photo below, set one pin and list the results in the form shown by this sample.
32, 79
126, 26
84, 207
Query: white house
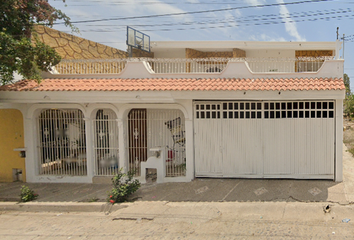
214, 109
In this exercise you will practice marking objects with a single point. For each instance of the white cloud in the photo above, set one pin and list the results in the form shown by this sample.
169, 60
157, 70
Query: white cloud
290, 26
255, 2
265, 37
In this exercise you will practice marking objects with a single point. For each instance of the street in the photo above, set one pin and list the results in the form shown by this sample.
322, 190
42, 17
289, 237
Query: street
187, 220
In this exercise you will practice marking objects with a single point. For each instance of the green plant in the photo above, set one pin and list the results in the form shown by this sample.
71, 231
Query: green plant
93, 199
351, 150
349, 105
27, 194
123, 186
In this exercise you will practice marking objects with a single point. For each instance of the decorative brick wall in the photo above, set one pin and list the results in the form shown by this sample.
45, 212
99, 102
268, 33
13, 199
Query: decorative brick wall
192, 53
71, 47
313, 53
239, 53
236, 53
140, 53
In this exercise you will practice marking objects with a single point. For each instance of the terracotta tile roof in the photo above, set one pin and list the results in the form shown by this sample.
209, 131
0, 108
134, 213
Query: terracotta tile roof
182, 84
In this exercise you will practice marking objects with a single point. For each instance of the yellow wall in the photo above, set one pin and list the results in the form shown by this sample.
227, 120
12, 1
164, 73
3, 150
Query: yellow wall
11, 136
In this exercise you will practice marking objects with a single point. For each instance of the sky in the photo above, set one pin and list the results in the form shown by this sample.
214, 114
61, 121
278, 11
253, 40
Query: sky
105, 21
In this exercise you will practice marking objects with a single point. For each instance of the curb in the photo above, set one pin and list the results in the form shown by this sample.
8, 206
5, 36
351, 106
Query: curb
60, 207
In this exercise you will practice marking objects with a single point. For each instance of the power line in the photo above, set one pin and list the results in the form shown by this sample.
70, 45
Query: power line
246, 19
197, 12
239, 23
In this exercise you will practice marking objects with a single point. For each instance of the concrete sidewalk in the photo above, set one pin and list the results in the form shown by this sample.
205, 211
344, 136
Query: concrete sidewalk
92, 197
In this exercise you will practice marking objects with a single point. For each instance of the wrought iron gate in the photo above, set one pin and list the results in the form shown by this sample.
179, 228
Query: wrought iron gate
62, 142
106, 143
149, 128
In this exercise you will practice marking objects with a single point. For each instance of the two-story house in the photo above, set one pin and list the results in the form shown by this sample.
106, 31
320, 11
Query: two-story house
214, 109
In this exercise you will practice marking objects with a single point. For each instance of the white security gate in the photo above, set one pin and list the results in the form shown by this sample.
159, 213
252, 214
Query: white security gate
62, 142
106, 142
148, 128
265, 139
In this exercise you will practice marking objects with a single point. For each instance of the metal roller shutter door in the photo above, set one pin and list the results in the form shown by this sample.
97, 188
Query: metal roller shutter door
270, 139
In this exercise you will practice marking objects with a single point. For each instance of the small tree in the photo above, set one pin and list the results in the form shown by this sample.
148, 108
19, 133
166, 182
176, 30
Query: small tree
19, 50
349, 97
346, 80
349, 105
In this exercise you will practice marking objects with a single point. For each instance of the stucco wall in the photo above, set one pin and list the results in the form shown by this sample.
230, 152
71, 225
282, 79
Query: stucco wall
12, 136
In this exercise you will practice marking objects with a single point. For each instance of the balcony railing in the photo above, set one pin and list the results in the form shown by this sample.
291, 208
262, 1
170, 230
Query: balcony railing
192, 65
90, 66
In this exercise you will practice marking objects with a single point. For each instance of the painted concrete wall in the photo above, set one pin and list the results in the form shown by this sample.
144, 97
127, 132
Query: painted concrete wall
12, 136
122, 110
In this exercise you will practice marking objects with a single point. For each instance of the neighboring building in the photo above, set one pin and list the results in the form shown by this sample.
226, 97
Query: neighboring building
216, 109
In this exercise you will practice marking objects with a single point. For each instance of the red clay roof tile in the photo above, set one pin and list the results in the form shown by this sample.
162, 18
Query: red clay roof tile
169, 84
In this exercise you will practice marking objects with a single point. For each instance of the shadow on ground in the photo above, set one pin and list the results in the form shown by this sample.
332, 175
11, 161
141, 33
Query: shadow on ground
244, 190
199, 190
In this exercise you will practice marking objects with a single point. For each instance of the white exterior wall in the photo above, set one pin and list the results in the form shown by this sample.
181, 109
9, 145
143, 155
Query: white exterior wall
89, 110
173, 100
30, 103
338, 174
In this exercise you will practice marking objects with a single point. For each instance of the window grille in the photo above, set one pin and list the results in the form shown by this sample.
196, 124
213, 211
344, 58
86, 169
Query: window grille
265, 110
303, 109
62, 142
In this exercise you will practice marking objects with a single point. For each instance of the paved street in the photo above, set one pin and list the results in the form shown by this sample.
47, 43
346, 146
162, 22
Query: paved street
166, 220
201, 209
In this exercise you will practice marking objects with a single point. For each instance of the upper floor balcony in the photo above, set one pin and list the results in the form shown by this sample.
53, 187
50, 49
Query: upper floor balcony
199, 67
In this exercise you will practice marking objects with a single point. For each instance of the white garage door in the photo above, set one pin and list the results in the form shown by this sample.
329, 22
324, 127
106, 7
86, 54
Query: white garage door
264, 139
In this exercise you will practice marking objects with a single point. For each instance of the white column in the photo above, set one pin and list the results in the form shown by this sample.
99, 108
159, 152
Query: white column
189, 149
121, 144
89, 148
31, 140
338, 167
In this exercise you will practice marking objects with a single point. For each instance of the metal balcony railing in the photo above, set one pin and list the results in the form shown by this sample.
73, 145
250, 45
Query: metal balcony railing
190, 65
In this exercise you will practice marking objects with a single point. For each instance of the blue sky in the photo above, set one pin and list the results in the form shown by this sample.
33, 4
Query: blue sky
300, 21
